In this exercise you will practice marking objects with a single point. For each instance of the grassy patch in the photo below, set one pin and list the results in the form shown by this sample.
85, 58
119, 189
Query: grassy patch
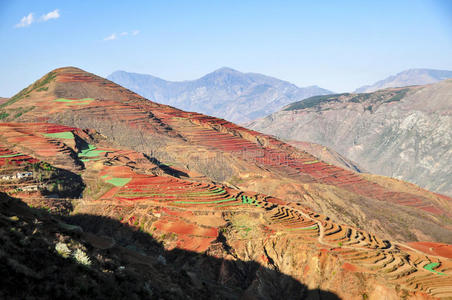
119, 181
26, 91
432, 265
206, 202
313, 101
3, 115
91, 151
23, 111
11, 155
310, 162
398, 96
60, 135
360, 98
83, 101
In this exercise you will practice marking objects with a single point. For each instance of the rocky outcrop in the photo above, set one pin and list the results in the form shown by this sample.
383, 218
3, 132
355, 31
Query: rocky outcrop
402, 133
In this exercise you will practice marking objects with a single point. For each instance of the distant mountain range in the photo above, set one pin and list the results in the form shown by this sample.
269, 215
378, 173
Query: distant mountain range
224, 93
407, 78
404, 133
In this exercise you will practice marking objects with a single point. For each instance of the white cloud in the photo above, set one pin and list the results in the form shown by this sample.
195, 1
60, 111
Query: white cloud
111, 37
25, 21
51, 15
115, 36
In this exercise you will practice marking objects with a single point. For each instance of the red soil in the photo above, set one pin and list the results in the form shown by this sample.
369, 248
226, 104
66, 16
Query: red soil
349, 267
430, 248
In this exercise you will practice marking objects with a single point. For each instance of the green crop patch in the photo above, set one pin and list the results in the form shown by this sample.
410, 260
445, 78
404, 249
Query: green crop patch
119, 181
83, 101
432, 265
60, 135
229, 204
91, 152
250, 200
205, 202
11, 155
310, 162
91, 159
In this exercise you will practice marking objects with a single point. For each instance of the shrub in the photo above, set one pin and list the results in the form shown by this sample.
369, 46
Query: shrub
63, 249
81, 257
3, 115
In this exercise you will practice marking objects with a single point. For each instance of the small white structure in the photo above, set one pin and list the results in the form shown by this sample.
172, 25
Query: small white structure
30, 188
24, 175
18, 175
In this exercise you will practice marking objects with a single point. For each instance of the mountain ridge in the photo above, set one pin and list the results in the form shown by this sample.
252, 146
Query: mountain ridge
391, 132
415, 76
224, 93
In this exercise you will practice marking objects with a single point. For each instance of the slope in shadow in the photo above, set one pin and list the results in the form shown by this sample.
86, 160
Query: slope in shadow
120, 262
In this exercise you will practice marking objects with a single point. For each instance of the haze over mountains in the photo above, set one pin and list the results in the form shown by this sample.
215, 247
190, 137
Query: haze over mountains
404, 133
225, 93
407, 78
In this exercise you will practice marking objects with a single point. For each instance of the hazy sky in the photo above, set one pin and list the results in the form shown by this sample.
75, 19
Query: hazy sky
338, 45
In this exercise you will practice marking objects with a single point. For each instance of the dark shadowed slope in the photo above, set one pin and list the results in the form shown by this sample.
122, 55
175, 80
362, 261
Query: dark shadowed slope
224, 93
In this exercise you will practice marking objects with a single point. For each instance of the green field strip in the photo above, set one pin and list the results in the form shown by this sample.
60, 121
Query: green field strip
73, 100
304, 228
105, 176
118, 181
310, 162
227, 204
91, 151
432, 265
79, 103
178, 195
11, 155
91, 159
60, 135
249, 200
205, 202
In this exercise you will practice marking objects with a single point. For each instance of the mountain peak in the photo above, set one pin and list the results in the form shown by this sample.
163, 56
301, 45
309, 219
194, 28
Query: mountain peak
226, 70
415, 76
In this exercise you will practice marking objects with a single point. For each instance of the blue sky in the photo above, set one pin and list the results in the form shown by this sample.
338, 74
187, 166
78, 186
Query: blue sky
338, 45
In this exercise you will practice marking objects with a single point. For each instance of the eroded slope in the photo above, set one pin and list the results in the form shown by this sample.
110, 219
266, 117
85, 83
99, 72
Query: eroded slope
254, 245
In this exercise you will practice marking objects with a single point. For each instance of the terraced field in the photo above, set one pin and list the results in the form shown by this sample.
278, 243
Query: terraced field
198, 214
176, 210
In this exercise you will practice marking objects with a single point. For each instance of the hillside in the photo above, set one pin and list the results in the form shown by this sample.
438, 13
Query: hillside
224, 93
224, 212
407, 78
403, 133
327, 155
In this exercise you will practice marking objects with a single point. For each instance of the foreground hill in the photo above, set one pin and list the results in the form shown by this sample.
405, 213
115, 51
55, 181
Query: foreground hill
224, 93
124, 225
407, 78
404, 133
235, 212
